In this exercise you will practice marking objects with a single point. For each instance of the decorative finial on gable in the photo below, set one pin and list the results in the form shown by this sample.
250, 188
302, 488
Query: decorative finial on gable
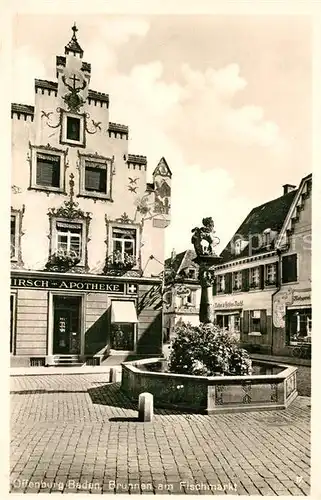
74, 29
73, 46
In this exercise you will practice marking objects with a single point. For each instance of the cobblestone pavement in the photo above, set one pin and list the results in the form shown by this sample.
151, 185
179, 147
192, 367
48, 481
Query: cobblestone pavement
78, 433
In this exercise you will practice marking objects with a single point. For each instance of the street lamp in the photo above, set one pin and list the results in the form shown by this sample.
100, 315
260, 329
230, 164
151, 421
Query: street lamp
204, 242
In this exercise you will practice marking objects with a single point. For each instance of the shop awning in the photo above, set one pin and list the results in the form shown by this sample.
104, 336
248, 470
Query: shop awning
305, 306
123, 311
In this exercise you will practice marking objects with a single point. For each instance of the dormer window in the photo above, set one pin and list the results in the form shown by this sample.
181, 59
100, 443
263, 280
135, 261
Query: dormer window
238, 246
191, 274
267, 237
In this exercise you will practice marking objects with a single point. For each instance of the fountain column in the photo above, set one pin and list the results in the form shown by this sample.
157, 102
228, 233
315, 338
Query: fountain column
204, 240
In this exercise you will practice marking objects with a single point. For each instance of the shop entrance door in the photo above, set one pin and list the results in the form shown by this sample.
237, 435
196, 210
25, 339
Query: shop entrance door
66, 335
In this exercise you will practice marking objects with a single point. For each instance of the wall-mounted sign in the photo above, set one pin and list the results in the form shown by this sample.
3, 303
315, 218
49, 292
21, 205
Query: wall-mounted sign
182, 291
301, 297
229, 304
82, 284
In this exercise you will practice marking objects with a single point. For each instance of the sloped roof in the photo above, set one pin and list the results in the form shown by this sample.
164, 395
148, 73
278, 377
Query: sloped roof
181, 261
269, 215
22, 108
73, 44
303, 188
163, 168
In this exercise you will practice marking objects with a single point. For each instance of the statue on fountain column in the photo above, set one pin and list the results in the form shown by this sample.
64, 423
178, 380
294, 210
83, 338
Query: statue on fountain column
203, 238
204, 241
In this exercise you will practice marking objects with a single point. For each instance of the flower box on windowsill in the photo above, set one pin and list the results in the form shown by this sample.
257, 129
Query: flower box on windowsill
254, 286
119, 263
269, 283
62, 262
237, 288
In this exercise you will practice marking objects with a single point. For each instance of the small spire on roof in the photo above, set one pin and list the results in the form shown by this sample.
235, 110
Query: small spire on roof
73, 45
74, 29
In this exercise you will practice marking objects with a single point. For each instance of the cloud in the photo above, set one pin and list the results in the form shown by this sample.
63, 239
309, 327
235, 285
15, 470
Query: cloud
118, 31
25, 65
193, 114
209, 101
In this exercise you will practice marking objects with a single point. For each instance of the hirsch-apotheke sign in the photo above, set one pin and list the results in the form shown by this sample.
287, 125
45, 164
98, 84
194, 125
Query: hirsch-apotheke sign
60, 283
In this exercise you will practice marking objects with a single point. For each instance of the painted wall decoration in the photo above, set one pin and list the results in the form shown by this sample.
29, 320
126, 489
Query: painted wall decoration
132, 187
289, 297
162, 197
73, 99
281, 300
144, 207
48, 117
96, 125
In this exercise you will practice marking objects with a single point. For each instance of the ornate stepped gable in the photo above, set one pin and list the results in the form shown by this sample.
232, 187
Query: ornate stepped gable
302, 193
137, 159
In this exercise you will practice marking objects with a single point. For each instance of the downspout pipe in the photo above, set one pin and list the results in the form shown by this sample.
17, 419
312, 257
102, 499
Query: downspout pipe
279, 284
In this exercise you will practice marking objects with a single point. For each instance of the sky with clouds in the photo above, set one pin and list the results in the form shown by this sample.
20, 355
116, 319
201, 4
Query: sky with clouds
226, 100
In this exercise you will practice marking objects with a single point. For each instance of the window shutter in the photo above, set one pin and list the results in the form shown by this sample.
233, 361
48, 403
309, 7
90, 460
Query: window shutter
228, 282
95, 179
263, 321
262, 277
214, 285
289, 268
245, 280
48, 173
285, 271
294, 267
246, 321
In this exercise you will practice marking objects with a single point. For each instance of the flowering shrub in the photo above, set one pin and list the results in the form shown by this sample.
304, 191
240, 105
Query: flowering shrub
207, 350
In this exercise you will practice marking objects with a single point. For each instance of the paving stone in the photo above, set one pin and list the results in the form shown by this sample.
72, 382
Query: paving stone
59, 437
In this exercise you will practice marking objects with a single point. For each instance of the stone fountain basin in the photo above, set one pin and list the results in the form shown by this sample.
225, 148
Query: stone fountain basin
272, 386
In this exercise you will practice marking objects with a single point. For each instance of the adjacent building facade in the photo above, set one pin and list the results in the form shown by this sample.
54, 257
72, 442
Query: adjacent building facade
263, 283
182, 291
87, 229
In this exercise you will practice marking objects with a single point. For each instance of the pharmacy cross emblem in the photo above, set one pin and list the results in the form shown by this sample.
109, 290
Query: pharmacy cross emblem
131, 288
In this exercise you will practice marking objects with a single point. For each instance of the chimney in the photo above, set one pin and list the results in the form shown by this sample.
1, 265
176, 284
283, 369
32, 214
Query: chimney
287, 188
173, 255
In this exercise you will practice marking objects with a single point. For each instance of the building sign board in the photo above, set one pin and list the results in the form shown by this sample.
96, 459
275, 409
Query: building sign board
229, 304
301, 297
63, 284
